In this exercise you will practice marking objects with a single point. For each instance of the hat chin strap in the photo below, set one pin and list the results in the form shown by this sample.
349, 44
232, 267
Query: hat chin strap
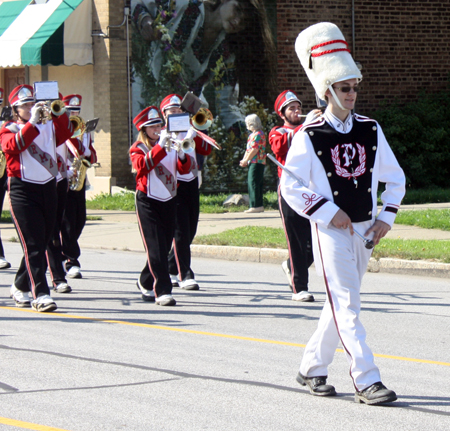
330, 87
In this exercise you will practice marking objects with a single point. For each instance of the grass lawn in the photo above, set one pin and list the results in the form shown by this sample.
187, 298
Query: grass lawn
263, 237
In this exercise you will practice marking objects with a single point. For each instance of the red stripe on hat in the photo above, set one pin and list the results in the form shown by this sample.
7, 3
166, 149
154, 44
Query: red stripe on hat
329, 52
329, 43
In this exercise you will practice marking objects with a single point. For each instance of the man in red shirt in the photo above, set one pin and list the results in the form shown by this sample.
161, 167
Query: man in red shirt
297, 229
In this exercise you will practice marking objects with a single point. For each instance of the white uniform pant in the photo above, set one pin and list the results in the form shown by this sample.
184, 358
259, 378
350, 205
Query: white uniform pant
343, 259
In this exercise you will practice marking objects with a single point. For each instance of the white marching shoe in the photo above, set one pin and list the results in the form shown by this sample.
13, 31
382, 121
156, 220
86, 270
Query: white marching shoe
4, 264
147, 295
74, 272
165, 300
303, 296
22, 299
62, 288
43, 303
189, 284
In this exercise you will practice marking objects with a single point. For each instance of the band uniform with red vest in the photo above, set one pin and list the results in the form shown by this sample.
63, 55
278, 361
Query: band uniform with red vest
29, 144
75, 213
4, 264
157, 166
188, 205
297, 229
340, 159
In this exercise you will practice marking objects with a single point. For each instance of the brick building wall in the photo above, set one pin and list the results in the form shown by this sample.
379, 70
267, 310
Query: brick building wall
403, 45
111, 94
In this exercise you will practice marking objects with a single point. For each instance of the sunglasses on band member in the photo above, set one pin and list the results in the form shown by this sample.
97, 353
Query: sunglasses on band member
347, 89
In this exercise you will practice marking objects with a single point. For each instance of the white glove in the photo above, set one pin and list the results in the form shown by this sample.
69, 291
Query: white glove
35, 114
313, 115
86, 150
191, 134
200, 180
181, 155
163, 138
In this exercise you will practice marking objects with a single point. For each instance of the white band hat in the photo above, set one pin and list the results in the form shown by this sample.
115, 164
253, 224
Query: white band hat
324, 54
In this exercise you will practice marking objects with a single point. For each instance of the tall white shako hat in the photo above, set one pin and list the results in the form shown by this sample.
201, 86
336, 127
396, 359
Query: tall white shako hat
324, 54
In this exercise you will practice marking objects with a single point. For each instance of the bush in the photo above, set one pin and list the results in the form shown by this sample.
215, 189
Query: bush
419, 134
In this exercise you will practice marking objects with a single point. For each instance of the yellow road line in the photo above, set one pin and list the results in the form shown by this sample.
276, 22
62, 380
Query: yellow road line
28, 425
214, 334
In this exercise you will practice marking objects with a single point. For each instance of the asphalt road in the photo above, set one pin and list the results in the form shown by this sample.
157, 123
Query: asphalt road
225, 358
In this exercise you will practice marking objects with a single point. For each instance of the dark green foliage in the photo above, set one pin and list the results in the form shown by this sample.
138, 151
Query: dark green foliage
419, 134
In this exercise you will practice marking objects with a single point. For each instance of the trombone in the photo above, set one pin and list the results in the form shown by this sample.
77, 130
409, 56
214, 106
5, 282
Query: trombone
79, 126
202, 120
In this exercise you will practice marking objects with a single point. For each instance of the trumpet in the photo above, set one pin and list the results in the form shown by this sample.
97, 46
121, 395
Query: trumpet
79, 126
186, 145
56, 108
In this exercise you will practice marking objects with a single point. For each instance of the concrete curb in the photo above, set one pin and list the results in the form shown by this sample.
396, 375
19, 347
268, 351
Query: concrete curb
277, 256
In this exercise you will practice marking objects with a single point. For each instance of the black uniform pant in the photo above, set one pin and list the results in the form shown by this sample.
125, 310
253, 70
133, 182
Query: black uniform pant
54, 248
2, 198
298, 236
72, 226
187, 214
157, 224
33, 208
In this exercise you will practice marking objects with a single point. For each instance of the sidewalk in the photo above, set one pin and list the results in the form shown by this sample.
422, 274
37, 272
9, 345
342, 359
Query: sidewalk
118, 230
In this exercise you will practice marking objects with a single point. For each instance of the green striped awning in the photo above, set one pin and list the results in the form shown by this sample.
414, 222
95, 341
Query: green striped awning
57, 32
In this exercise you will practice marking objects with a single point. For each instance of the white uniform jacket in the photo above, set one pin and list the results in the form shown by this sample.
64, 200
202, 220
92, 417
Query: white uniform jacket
341, 164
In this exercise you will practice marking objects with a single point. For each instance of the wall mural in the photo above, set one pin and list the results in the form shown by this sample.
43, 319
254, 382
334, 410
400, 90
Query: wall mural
221, 50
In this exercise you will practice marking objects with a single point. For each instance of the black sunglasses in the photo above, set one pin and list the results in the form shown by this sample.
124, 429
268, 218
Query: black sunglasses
347, 89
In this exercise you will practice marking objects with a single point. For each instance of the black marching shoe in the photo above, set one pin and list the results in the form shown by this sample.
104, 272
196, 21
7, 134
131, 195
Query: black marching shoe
317, 385
375, 394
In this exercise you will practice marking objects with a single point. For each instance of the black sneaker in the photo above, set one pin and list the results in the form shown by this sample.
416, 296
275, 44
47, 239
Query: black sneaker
317, 385
375, 394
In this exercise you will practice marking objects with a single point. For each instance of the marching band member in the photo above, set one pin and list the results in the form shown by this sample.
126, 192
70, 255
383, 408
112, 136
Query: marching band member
340, 158
156, 166
54, 248
75, 213
188, 206
30, 149
4, 264
297, 229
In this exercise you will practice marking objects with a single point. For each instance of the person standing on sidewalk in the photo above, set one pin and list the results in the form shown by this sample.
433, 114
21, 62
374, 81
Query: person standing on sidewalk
339, 159
187, 205
156, 165
297, 229
255, 159
29, 143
